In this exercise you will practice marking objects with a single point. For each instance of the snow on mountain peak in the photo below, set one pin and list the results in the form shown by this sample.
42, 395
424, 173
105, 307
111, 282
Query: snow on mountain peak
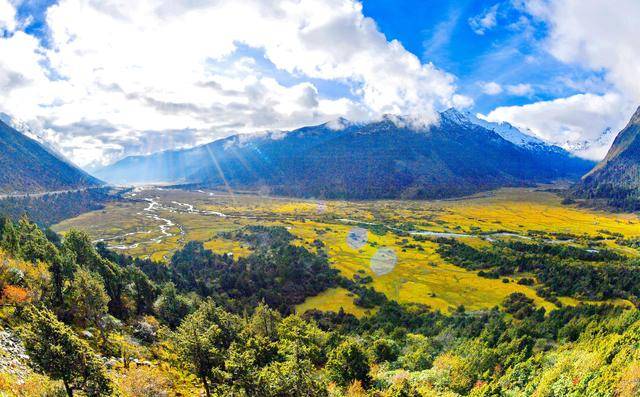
504, 129
509, 132
38, 136
456, 116
594, 149
338, 124
20, 126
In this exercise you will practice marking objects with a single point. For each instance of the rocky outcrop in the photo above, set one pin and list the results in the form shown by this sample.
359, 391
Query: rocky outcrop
13, 357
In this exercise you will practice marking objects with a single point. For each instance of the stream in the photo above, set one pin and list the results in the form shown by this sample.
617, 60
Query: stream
165, 224
151, 211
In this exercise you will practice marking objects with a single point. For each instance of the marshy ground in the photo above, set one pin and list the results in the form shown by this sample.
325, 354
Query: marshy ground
393, 242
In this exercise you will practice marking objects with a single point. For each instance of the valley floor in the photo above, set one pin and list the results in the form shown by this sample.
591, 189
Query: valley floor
394, 242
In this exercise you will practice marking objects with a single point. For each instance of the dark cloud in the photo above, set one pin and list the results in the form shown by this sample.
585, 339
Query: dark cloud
94, 128
174, 107
309, 97
12, 80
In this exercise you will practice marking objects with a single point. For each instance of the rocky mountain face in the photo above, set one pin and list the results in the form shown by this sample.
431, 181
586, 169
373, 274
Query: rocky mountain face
26, 166
616, 179
390, 158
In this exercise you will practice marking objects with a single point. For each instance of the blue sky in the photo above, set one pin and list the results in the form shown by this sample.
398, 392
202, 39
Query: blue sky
110, 78
508, 53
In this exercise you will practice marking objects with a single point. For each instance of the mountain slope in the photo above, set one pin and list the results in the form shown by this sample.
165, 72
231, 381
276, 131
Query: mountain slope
504, 129
37, 136
28, 167
617, 177
390, 158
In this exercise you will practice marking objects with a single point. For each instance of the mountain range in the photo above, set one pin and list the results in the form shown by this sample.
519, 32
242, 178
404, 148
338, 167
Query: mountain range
390, 158
617, 177
27, 166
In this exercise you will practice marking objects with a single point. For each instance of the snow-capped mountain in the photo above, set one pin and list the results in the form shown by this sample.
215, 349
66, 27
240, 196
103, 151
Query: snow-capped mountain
38, 136
504, 129
392, 157
26, 166
594, 149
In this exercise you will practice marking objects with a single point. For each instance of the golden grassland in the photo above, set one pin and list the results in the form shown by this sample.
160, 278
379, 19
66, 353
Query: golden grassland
333, 299
522, 210
420, 274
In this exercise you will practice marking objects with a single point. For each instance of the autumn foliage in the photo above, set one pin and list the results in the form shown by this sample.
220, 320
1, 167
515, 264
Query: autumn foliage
14, 295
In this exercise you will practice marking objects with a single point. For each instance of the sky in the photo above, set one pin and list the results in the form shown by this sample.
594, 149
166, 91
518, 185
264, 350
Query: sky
104, 79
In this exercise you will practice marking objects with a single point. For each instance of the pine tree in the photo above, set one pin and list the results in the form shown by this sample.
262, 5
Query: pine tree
89, 301
203, 339
349, 362
56, 350
10, 240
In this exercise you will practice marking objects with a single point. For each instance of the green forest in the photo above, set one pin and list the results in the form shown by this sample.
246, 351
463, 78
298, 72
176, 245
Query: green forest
49, 209
97, 323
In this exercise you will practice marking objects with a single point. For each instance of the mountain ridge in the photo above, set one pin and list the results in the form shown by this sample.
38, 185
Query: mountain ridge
395, 157
616, 178
26, 166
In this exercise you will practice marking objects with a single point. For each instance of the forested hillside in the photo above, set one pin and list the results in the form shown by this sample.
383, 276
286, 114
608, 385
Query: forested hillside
388, 158
93, 322
27, 167
48, 209
616, 179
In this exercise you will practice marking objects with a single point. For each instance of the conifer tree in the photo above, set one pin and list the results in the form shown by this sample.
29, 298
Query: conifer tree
57, 351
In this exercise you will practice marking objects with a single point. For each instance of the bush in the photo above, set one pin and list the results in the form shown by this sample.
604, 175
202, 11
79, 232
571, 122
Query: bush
384, 350
143, 381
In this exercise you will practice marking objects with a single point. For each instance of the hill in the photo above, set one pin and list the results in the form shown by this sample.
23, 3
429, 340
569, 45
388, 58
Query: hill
390, 158
616, 179
83, 320
26, 166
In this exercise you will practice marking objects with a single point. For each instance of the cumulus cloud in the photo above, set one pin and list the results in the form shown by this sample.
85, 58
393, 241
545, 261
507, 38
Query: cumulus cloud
595, 34
209, 68
7, 16
598, 36
491, 88
573, 123
485, 21
520, 89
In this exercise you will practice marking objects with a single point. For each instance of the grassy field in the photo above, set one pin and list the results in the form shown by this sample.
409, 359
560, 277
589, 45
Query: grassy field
333, 299
412, 270
522, 210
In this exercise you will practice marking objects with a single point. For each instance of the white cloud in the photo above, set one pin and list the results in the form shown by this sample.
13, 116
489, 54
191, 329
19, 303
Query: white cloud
485, 21
143, 71
491, 88
461, 101
7, 16
569, 122
520, 89
598, 36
